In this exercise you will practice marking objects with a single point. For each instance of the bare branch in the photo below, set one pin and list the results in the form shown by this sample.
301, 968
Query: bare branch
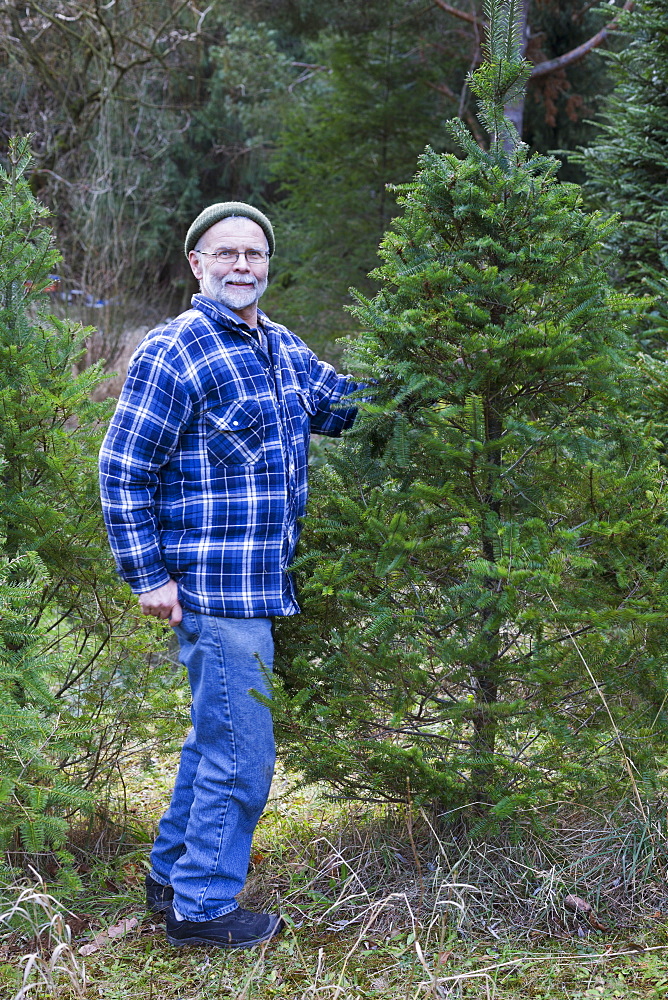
550, 65
463, 15
52, 173
542, 69
60, 25
305, 65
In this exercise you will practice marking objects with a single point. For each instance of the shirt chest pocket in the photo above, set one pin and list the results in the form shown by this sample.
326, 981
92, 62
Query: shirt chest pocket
235, 432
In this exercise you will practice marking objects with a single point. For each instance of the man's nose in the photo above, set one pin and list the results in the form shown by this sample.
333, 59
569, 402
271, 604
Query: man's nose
241, 264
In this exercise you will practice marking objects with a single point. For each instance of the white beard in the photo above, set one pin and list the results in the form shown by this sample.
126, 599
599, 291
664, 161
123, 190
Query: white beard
231, 295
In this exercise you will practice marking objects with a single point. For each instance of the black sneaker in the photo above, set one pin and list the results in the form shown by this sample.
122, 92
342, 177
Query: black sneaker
158, 897
238, 929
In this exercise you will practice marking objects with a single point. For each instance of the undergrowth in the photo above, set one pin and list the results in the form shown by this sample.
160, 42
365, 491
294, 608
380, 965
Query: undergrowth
377, 904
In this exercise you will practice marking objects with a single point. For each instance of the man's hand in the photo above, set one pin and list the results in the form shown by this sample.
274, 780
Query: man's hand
162, 602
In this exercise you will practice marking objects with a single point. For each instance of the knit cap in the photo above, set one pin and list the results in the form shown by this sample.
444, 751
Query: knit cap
223, 210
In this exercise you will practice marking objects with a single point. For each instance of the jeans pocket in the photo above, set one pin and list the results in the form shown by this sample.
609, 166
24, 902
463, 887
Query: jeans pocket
189, 626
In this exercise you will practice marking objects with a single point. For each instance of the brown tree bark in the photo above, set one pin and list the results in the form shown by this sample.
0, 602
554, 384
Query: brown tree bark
549, 65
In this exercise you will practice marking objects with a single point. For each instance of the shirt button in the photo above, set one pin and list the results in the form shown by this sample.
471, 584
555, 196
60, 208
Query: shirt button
236, 423
275, 368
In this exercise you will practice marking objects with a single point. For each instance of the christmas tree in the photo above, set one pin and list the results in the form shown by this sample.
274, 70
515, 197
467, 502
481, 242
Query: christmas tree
483, 565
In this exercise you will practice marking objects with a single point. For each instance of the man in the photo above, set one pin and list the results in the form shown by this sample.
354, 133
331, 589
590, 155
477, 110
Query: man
203, 481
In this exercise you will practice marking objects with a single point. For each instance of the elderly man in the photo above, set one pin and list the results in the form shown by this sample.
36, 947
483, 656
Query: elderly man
203, 481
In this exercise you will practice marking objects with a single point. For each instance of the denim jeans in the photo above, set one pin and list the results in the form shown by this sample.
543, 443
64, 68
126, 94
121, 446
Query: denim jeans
227, 762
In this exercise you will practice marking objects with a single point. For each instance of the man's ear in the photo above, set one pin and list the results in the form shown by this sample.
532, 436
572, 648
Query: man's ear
195, 264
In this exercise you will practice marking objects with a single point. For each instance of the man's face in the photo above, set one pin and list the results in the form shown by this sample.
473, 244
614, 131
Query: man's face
237, 285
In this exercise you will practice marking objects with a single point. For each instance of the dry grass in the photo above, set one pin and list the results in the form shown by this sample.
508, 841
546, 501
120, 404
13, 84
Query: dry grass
51, 965
381, 905
356, 868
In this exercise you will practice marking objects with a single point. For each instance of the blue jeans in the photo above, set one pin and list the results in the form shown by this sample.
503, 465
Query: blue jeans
227, 762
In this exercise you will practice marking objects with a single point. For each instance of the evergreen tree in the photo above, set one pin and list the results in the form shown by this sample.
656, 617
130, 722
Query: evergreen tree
484, 562
627, 165
74, 671
627, 170
360, 122
35, 794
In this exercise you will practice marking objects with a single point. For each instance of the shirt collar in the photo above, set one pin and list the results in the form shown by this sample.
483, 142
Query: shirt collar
210, 306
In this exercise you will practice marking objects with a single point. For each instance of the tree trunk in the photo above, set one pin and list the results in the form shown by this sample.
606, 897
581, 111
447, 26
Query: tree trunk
485, 676
485, 685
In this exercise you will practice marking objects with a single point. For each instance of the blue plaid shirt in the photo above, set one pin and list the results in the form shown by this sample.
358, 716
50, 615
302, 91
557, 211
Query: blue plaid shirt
203, 470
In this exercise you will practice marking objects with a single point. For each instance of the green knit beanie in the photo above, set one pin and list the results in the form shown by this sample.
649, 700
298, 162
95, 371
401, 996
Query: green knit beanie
223, 210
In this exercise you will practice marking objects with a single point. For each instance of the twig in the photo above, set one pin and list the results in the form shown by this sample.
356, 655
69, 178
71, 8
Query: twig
618, 735
409, 827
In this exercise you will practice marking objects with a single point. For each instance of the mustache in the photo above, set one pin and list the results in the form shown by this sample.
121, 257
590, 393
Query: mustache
230, 279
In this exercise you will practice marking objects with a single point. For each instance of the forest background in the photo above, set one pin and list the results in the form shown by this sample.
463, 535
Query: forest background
144, 112
139, 115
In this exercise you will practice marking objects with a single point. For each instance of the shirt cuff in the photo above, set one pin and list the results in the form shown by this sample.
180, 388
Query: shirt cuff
149, 579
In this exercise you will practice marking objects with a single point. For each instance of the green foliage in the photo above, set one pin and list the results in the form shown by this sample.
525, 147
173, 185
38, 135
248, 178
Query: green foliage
242, 83
356, 124
35, 796
503, 76
74, 672
627, 165
145, 112
627, 171
484, 564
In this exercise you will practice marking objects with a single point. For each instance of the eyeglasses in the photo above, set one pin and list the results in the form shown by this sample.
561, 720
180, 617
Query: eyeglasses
228, 256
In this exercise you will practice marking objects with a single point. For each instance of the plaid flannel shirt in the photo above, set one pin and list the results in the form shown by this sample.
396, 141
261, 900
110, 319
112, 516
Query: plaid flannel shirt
203, 470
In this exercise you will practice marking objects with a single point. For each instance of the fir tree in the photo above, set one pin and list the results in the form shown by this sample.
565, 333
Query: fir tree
74, 671
627, 166
36, 734
483, 569
350, 131
627, 171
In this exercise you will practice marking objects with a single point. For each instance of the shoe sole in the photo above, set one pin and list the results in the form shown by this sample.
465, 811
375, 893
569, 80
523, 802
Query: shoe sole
217, 943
